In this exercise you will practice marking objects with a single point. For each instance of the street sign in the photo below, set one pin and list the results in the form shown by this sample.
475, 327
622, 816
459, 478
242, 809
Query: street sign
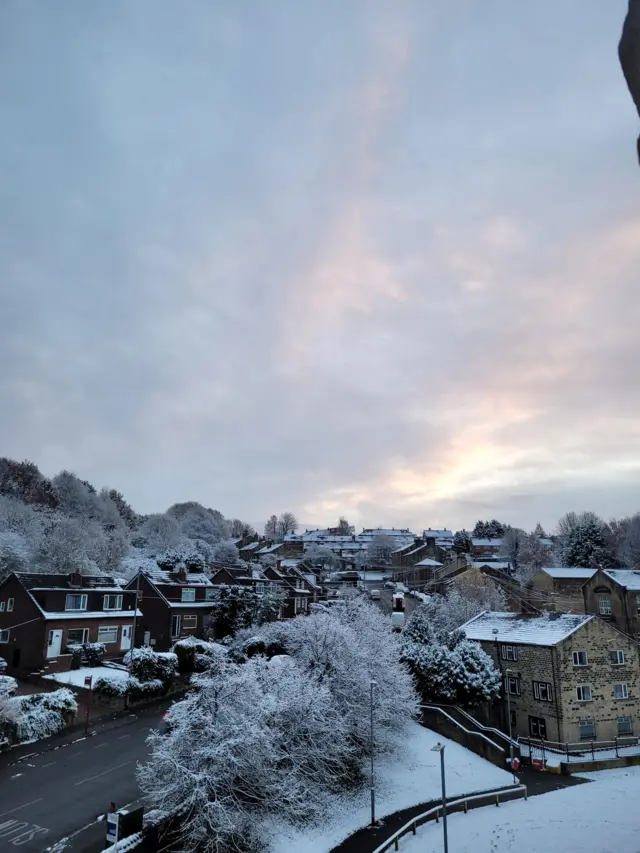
88, 679
112, 827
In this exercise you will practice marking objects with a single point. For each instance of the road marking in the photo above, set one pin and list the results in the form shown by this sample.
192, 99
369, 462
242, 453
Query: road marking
100, 745
104, 773
50, 764
122, 737
28, 835
11, 811
74, 754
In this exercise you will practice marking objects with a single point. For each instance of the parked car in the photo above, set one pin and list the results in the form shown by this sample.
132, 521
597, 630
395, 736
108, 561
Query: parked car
397, 621
8, 686
3, 666
389, 585
400, 587
374, 595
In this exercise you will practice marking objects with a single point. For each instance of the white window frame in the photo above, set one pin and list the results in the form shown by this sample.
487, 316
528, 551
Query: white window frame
83, 602
624, 690
188, 594
85, 636
509, 653
10, 602
118, 598
618, 657
619, 719
604, 604
583, 724
540, 688
581, 692
576, 659
4, 635
177, 619
512, 681
3, 606
185, 626
104, 628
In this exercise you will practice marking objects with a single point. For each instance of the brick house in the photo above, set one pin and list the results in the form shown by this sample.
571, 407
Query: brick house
485, 547
570, 677
174, 604
558, 589
614, 595
418, 574
41, 615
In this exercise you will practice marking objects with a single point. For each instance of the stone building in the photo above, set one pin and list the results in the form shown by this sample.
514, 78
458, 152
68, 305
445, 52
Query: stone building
614, 595
558, 589
569, 677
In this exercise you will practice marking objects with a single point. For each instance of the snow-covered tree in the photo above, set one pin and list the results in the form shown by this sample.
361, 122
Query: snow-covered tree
198, 522
15, 553
321, 557
446, 613
344, 528
271, 527
493, 529
236, 607
462, 542
584, 541
185, 554
511, 545
71, 545
629, 545
137, 560
539, 531
239, 528
226, 553
379, 550
446, 666
158, 533
533, 555
127, 514
287, 523
23, 480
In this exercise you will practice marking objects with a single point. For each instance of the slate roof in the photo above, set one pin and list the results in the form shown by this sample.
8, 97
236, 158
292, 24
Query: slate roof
627, 578
162, 576
37, 580
562, 573
547, 629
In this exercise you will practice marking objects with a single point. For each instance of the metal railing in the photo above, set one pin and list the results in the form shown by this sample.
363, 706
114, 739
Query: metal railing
585, 750
461, 727
462, 804
496, 732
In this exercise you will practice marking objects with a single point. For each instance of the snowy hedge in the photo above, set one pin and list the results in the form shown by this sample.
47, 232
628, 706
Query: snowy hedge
39, 715
146, 665
283, 735
195, 655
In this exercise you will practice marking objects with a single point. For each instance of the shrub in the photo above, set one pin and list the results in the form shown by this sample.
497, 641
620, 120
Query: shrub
113, 687
39, 715
76, 657
144, 689
196, 655
146, 665
94, 653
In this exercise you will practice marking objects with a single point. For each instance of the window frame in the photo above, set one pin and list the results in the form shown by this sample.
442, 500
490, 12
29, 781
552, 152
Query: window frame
604, 598
580, 690
538, 723
117, 596
624, 690
188, 594
102, 628
184, 625
576, 658
10, 603
85, 637
619, 720
209, 593
509, 653
176, 619
583, 724
3, 606
540, 687
4, 631
617, 661
84, 598
509, 681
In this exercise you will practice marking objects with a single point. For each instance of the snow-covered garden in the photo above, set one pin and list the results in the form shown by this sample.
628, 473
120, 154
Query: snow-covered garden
24, 719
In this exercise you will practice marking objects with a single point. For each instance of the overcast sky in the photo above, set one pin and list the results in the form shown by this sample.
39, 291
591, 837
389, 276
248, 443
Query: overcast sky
368, 258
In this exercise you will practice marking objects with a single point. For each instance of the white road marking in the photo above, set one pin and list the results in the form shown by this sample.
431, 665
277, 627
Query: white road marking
100, 745
11, 811
122, 737
73, 754
104, 773
50, 764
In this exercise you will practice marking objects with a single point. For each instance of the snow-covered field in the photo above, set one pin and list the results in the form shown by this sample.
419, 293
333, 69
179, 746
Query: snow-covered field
409, 777
77, 676
594, 818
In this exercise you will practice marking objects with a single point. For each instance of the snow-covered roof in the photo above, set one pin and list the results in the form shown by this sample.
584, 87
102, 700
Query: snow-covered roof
493, 564
289, 564
415, 550
439, 534
251, 546
401, 549
428, 562
544, 540
627, 578
547, 629
486, 543
163, 576
191, 604
269, 549
68, 615
567, 573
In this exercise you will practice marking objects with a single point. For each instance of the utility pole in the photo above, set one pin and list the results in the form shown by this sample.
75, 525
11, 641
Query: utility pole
135, 611
374, 684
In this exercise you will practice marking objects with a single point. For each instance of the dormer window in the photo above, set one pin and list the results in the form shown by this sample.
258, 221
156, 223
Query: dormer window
112, 602
76, 602
188, 594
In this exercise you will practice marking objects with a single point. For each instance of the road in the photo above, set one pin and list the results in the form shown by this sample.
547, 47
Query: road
410, 603
51, 795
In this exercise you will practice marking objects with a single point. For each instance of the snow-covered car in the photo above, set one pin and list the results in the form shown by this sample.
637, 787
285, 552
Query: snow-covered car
389, 585
8, 686
374, 595
319, 607
3, 666
397, 621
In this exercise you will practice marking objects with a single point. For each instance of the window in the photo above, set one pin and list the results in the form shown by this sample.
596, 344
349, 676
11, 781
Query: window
209, 594
625, 726
188, 595
108, 634
509, 652
621, 691
112, 602
542, 691
299, 583
176, 623
538, 727
9, 605
260, 588
76, 602
583, 692
604, 604
77, 636
189, 622
512, 685
513, 718
3, 605
587, 729
617, 657
4, 635
580, 659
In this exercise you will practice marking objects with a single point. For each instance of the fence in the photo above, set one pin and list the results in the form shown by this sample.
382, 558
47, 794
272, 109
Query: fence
586, 750
463, 804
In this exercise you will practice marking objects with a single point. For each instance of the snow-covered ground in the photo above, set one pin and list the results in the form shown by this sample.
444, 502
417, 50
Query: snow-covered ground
594, 818
409, 777
77, 676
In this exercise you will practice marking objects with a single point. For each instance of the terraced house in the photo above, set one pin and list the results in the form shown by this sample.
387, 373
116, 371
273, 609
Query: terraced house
568, 677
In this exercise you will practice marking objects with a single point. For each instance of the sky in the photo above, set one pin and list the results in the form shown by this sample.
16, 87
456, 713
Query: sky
377, 259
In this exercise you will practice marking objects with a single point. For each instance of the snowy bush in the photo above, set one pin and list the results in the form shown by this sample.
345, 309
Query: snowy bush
110, 686
94, 653
39, 715
146, 665
195, 655
144, 689
447, 667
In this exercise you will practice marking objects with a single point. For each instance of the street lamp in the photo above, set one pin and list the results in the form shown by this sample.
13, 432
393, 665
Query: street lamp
508, 672
439, 747
373, 685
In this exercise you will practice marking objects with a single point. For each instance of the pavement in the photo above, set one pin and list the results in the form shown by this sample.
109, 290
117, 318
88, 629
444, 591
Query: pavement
61, 788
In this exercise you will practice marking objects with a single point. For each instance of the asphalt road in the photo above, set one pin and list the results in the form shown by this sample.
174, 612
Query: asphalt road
61, 793
410, 603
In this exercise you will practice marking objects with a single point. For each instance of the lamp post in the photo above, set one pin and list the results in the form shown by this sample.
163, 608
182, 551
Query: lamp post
439, 747
135, 611
373, 685
515, 780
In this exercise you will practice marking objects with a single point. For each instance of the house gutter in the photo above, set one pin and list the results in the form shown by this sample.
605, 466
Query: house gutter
555, 691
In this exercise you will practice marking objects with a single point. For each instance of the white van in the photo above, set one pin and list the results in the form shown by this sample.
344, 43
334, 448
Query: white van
397, 620
374, 595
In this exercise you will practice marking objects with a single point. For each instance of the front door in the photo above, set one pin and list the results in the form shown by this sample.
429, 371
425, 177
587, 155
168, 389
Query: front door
55, 643
125, 638
176, 624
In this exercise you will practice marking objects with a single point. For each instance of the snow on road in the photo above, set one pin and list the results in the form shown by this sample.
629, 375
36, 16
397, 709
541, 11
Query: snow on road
76, 677
409, 777
595, 818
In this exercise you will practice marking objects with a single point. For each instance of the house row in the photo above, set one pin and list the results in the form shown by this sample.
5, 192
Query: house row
43, 615
567, 677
